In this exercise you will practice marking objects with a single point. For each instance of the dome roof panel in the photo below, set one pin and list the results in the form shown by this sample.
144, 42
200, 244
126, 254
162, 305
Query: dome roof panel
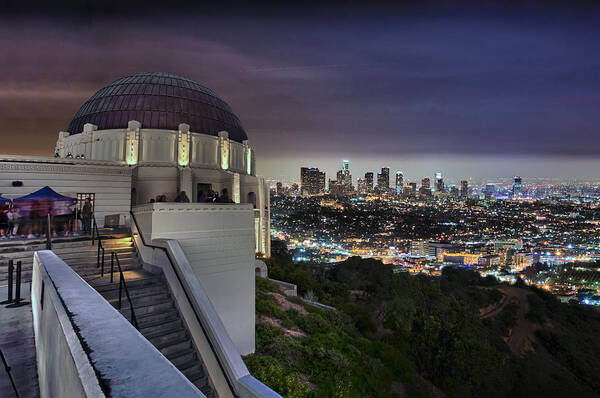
159, 101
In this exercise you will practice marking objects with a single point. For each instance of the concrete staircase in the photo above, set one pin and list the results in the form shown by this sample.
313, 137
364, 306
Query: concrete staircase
156, 313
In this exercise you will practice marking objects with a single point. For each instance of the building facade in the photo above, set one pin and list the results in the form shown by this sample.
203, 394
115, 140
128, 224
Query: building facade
312, 181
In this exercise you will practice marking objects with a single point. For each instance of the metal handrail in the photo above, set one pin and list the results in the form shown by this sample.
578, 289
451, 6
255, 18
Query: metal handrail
122, 284
100, 246
187, 295
7, 368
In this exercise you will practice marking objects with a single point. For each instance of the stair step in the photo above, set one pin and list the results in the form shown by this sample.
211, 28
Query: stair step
144, 319
149, 298
177, 358
174, 346
192, 368
141, 309
160, 326
134, 291
167, 336
102, 285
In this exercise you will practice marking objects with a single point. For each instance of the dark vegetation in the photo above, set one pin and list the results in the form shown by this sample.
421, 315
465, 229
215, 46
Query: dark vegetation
424, 332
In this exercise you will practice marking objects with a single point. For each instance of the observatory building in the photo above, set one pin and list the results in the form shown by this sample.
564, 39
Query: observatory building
170, 176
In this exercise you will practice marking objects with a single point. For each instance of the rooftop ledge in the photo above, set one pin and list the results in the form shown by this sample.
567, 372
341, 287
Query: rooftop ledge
191, 207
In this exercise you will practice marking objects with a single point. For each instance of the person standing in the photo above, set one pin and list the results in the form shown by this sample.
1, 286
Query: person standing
15, 220
86, 215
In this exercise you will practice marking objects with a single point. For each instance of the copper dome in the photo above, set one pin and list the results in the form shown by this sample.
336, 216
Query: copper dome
158, 101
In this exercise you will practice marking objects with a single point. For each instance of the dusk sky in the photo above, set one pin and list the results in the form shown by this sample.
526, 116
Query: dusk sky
471, 91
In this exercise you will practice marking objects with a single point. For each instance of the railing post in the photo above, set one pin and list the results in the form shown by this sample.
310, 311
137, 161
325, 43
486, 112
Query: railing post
10, 283
98, 256
120, 289
102, 273
48, 233
18, 302
112, 266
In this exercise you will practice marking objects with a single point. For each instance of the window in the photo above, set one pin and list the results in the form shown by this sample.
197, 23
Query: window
81, 197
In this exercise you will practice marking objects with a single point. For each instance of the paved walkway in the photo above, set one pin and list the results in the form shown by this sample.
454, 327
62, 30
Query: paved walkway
18, 346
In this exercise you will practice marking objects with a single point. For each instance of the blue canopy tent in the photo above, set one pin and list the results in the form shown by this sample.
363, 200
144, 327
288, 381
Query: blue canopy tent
4, 203
43, 202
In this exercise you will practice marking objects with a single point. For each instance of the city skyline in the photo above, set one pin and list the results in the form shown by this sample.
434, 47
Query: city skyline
479, 91
414, 170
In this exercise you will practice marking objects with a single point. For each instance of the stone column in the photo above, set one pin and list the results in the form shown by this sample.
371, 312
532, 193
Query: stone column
224, 150
87, 139
183, 145
132, 144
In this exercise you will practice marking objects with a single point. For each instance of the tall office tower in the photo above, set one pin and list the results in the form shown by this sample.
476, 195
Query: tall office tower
517, 187
369, 181
346, 167
279, 188
399, 182
464, 188
343, 182
425, 186
454, 190
312, 181
439, 182
361, 185
383, 180
490, 189
412, 188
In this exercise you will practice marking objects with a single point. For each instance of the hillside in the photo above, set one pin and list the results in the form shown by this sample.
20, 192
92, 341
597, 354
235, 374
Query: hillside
401, 335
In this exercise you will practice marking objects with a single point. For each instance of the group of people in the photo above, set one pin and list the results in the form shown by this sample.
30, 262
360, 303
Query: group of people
10, 221
31, 221
210, 197
214, 197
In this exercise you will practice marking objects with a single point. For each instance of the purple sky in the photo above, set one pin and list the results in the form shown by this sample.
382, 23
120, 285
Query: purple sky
470, 91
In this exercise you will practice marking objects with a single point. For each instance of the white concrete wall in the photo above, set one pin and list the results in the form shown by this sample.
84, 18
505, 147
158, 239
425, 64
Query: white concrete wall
109, 145
218, 241
156, 180
205, 151
155, 147
63, 366
110, 182
79, 336
158, 146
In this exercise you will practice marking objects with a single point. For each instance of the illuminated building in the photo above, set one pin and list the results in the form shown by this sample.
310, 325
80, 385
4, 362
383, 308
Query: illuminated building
464, 188
312, 181
361, 186
454, 190
412, 188
139, 137
399, 182
521, 260
342, 185
383, 180
439, 182
425, 186
490, 189
489, 261
279, 189
461, 258
419, 248
369, 181
517, 190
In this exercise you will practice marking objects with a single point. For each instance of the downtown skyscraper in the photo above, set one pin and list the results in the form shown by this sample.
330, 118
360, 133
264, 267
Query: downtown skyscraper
383, 180
312, 181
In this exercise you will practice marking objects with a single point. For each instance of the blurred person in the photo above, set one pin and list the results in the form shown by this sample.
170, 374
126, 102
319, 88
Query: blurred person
86, 216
